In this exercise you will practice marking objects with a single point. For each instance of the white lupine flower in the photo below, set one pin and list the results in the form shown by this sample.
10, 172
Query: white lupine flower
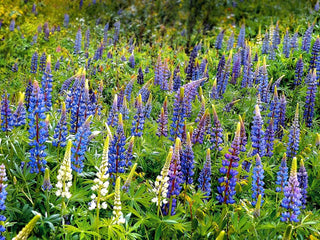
65, 174
104, 205
117, 214
101, 182
161, 183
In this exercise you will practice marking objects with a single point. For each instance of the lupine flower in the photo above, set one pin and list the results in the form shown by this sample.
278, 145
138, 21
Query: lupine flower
46, 185
144, 92
77, 42
204, 179
148, 107
6, 114
187, 162
299, 72
282, 174
199, 132
222, 82
19, 116
265, 44
292, 196
243, 136
303, 183
176, 79
117, 213
257, 134
294, 136
34, 62
306, 41
87, 36
12, 24
236, 68
286, 45
241, 37
101, 181
230, 42
269, 138
257, 181
139, 119
25, 232
282, 115
314, 54
161, 184
276, 36
37, 130
163, 124
263, 84
129, 155
229, 165
175, 180
124, 108
127, 183
179, 114
80, 145
140, 79
64, 176
132, 63
294, 41
216, 132
214, 90
191, 64
116, 32
47, 84
105, 34
310, 100
15, 67
219, 40
43, 60
247, 79
3, 196
317, 140
117, 151
61, 130
113, 113
66, 20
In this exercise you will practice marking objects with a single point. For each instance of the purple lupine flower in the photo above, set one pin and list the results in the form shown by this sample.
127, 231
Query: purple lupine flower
224, 77
46, 185
306, 41
282, 116
265, 44
191, 64
294, 42
219, 40
247, 79
256, 74
164, 75
257, 134
77, 42
216, 132
275, 109
139, 119
294, 136
257, 181
303, 183
46, 84
191, 91
12, 25
87, 36
219, 75
129, 155
230, 42
66, 20
179, 114
6, 114
128, 89
314, 54
148, 107
3, 196
176, 79
113, 113
199, 133
175, 180
243, 135
276, 36
132, 63
34, 39
187, 162
34, 62
163, 120
79, 146
80, 4
124, 110
263, 84
19, 116
282, 174
145, 92
43, 60
310, 100
157, 71
299, 72
292, 196
116, 32
37, 130
61, 130
214, 90
105, 34
236, 68
286, 44
28, 93
140, 79
241, 37
204, 179
15, 67
269, 138
229, 165
57, 65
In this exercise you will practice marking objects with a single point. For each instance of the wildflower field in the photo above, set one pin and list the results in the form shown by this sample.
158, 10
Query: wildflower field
160, 119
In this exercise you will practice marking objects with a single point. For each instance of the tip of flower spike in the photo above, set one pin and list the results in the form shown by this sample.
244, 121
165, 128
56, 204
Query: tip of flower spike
314, 74
214, 109
206, 113
264, 62
294, 166
240, 119
106, 143
47, 118
47, 173
221, 235
88, 120
177, 144
139, 99
63, 107
258, 158
301, 163
300, 56
208, 153
275, 91
49, 59
317, 139
181, 92
200, 91
117, 188
284, 156
120, 119
238, 128
21, 98
257, 110
35, 84
188, 139
297, 110
162, 111
86, 85
258, 206
150, 99
215, 83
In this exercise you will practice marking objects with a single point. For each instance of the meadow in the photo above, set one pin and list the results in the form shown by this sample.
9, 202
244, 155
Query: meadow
159, 119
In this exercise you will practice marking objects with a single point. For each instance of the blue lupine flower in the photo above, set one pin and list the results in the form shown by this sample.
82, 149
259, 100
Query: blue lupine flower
199, 133
116, 32
57, 65
263, 84
128, 89
124, 110
276, 36
236, 68
314, 54
191, 64
12, 24
230, 42
43, 60
187, 162
294, 136
46, 185
257, 181
292, 196
164, 76
317, 6
34, 39
299, 72
105, 34
265, 44
148, 107
77, 42
113, 113
214, 90
79, 146
139, 119
272, 55
247, 79
306, 41
3, 196
219, 75
87, 43
176, 79
19, 116
275, 109
80, 4
132, 63
303, 183
294, 41
310, 100
286, 45
116, 154
269, 138
219, 40
229, 165
216, 132
157, 71
66, 20
28, 93
34, 62
175, 180
140, 79
37, 130
6, 114
243, 135
282, 174
145, 92
204, 179
241, 37
61, 130
163, 120
129, 155
46, 84
179, 114
257, 134
223, 79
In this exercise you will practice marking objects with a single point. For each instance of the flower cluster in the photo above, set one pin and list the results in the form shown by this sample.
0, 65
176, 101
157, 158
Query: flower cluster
303, 183
34, 62
257, 181
294, 136
46, 185
139, 118
310, 100
6, 114
204, 179
19, 116
257, 134
77, 42
179, 114
216, 132
117, 213
187, 162
282, 174
3, 196
163, 121
46, 84
61, 129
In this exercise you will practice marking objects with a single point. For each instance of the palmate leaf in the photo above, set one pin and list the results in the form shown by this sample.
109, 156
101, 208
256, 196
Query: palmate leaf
83, 233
